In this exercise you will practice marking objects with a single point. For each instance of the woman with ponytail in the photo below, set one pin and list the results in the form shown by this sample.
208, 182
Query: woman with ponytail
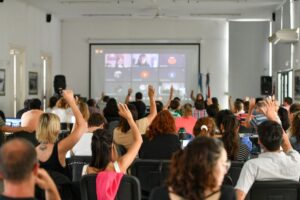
104, 157
236, 150
205, 127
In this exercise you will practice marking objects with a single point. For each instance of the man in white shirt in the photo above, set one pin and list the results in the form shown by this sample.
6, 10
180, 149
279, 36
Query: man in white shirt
273, 163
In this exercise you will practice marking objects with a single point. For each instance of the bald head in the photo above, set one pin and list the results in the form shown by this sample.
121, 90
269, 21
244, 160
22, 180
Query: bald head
17, 160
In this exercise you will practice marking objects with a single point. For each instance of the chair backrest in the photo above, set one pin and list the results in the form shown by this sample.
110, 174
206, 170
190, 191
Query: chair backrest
25, 135
76, 164
277, 190
129, 188
151, 173
235, 170
159, 193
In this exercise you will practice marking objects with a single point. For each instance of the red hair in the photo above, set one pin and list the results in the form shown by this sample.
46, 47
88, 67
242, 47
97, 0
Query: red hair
163, 123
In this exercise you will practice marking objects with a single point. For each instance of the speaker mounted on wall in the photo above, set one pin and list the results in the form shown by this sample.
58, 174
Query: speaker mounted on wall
48, 18
273, 16
266, 85
59, 84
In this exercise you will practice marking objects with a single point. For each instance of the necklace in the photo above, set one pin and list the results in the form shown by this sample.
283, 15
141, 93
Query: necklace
43, 146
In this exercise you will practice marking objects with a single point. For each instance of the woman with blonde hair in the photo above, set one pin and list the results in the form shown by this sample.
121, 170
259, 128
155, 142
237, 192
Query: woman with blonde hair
50, 152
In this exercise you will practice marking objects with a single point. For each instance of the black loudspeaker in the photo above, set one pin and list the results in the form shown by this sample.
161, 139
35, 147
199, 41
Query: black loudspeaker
266, 85
1, 1
59, 83
274, 17
48, 18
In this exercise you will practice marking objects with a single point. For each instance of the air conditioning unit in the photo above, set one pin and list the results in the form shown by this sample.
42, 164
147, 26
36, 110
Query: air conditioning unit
285, 36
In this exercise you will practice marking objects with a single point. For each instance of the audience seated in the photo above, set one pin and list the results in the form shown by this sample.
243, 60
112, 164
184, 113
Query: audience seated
30, 118
161, 139
83, 107
205, 127
197, 172
287, 102
51, 105
103, 156
283, 115
110, 111
123, 134
272, 164
294, 108
63, 111
83, 146
199, 110
50, 153
187, 121
236, 150
93, 106
139, 104
295, 132
174, 108
23, 110
20, 170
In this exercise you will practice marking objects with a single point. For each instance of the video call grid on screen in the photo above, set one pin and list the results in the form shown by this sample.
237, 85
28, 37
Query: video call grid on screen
116, 67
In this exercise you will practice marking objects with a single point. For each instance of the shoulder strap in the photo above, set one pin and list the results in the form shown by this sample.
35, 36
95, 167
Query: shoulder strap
116, 166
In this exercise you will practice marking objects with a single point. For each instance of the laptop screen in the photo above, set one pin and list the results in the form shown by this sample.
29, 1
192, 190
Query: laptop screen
13, 122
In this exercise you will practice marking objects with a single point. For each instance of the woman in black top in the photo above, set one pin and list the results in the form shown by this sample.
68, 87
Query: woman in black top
160, 140
197, 173
50, 152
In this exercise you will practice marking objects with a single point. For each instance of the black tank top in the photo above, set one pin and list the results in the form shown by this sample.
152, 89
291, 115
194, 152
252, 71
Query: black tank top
53, 163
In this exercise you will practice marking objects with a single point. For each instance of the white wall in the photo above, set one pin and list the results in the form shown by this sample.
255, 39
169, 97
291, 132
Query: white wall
212, 34
248, 57
24, 27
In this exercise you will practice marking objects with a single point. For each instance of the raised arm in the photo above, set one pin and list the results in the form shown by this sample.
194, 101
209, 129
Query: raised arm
167, 104
153, 111
80, 125
127, 99
269, 111
126, 160
192, 96
251, 108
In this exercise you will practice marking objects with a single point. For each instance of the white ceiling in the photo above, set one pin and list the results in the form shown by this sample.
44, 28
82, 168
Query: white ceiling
181, 9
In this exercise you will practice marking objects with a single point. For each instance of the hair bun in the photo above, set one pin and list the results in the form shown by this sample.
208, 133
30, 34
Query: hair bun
204, 127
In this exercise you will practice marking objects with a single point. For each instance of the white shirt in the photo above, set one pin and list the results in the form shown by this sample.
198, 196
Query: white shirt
83, 146
269, 166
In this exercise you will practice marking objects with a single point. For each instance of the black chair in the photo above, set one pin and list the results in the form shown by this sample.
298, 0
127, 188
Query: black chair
159, 193
75, 164
25, 135
274, 190
129, 188
234, 171
151, 174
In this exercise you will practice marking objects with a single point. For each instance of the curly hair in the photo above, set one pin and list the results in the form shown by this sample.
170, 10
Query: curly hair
192, 169
163, 123
209, 123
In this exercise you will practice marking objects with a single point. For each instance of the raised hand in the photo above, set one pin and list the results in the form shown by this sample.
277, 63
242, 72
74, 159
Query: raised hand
151, 91
269, 110
68, 95
124, 111
129, 91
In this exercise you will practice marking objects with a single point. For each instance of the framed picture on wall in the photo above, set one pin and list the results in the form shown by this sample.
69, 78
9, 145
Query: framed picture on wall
297, 85
2, 82
33, 82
